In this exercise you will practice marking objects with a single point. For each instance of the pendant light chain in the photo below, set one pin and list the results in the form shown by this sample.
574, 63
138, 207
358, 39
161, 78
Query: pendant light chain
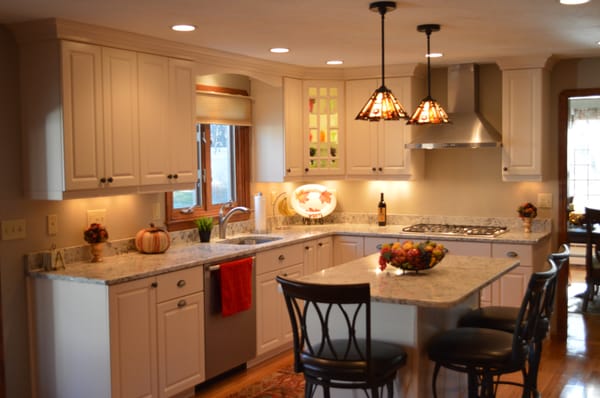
382, 10
428, 64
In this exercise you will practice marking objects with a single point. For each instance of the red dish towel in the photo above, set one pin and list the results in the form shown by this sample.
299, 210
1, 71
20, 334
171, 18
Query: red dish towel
236, 286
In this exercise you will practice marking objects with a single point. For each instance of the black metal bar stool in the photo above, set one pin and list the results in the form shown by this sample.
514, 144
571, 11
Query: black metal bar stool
484, 354
505, 318
331, 325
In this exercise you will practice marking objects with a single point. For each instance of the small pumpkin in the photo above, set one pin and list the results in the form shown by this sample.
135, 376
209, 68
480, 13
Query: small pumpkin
152, 240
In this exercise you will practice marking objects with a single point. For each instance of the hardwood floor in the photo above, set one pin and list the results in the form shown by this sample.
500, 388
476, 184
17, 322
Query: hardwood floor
570, 370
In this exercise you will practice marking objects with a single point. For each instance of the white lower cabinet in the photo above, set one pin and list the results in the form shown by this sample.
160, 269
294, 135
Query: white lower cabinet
318, 255
142, 338
347, 248
273, 327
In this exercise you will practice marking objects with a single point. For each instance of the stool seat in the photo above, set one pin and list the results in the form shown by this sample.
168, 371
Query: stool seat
477, 347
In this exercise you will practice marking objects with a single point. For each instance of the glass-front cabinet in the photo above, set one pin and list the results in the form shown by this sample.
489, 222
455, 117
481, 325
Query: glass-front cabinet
323, 107
314, 131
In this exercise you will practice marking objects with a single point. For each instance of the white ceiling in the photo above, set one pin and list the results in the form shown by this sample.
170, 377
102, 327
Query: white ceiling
318, 30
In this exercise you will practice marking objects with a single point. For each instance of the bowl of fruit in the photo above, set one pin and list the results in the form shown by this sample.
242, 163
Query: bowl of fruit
411, 256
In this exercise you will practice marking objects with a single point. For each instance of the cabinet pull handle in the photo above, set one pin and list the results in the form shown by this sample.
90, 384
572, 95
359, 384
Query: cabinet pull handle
181, 283
512, 254
154, 284
281, 257
181, 303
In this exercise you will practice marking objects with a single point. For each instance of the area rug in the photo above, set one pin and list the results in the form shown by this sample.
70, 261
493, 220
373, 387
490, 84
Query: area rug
284, 383
575, 301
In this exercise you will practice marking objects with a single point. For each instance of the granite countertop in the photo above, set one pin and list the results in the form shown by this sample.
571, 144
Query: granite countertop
125, 267
447, 284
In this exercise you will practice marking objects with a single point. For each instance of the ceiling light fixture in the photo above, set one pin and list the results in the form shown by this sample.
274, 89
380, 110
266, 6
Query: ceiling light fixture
573, 2
429, 110
382, 105
183, 28
279, 50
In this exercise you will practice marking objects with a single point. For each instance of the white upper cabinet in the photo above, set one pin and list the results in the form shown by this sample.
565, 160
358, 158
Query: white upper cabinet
314, 128
98, 120
376, 149
168, 138
525, 93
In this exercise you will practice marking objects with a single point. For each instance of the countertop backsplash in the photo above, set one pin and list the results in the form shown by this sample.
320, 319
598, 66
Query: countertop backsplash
58, 257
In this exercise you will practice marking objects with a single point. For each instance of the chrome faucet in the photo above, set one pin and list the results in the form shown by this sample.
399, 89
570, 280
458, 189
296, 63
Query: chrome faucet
224, 217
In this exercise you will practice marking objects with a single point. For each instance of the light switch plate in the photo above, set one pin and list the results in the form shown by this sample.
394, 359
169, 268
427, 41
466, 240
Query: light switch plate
96, 216
14, 229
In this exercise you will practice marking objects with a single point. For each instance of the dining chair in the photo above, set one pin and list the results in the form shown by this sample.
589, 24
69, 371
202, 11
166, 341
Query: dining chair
592, 257
485, 354
505, 318
333, 348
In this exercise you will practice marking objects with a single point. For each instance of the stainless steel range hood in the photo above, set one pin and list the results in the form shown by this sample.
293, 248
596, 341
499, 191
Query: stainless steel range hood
468, 129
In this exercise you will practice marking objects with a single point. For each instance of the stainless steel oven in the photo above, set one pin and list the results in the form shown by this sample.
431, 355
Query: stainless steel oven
229, 341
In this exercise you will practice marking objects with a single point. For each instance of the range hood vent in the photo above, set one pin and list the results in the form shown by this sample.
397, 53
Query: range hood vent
468, 129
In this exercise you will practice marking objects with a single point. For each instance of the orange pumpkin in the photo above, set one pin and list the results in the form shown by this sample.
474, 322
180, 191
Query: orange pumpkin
152, 240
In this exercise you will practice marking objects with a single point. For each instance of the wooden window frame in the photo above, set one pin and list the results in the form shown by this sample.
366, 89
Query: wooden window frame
177, 220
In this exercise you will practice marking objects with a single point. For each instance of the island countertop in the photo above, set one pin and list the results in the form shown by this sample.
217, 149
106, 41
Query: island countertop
447, 284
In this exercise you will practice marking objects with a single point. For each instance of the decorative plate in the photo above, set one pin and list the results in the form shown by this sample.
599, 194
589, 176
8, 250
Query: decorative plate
313, 201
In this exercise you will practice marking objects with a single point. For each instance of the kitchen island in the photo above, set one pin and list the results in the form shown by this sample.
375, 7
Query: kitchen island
409, 308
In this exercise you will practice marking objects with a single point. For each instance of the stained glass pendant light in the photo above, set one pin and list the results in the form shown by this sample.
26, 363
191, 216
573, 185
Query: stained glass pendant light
429, 110
382, 105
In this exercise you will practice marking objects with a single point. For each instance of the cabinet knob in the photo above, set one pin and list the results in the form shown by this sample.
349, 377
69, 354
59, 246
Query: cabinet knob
288, 170
306, 169
505, 168
175, 176
320, 243
170, 176
373, 169
380, 169
154, 284
103, 180
281, 257
512, 254
181, 283
110, 179
181, 303
306, 247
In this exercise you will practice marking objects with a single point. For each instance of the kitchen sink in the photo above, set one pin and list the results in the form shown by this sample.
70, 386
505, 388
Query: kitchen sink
250, 240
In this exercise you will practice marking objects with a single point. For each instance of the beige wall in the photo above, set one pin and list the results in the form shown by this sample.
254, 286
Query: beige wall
457, 181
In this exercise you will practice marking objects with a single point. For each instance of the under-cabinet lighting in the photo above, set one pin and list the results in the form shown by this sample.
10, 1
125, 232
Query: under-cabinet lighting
335, 62
279, 50
573, 2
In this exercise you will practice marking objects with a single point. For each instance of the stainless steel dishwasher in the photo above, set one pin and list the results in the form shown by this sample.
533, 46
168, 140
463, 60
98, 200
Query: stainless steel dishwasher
229, 341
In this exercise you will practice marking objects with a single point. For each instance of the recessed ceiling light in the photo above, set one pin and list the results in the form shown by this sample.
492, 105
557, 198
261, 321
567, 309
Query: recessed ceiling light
183, 28
280, 50
434, 55
574, 2
335, 62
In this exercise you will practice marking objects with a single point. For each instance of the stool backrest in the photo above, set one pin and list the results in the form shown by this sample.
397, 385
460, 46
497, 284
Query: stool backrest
322, 314
531, 309
592, 218
559, 258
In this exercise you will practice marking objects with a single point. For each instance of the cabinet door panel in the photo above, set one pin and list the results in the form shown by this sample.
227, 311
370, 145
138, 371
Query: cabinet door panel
268, 313
133, 339
121, 130
347, 248
153, 72
82, 115
181, 343
362, 143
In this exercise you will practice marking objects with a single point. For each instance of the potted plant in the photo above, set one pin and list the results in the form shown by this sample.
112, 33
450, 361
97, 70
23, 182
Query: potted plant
204, 225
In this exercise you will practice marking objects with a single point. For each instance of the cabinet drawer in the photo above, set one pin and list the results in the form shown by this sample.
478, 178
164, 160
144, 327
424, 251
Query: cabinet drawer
275, 259
522, 252
179, 283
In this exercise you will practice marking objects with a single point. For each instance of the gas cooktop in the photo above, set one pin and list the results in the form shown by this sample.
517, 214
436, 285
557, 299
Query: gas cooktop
451, 229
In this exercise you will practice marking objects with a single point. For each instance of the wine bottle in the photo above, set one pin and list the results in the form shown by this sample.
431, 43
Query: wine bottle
381, 212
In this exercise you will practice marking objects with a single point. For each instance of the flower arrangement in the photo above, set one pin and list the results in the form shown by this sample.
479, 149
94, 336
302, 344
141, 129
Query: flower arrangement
527, 210
411, 256
95, 233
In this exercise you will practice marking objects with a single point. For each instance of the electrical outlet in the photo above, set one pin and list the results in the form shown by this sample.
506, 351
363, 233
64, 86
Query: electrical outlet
96, 216
544, 200
14, 229
52, 224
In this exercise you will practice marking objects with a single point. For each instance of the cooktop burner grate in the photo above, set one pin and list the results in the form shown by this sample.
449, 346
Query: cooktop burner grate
451, 229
